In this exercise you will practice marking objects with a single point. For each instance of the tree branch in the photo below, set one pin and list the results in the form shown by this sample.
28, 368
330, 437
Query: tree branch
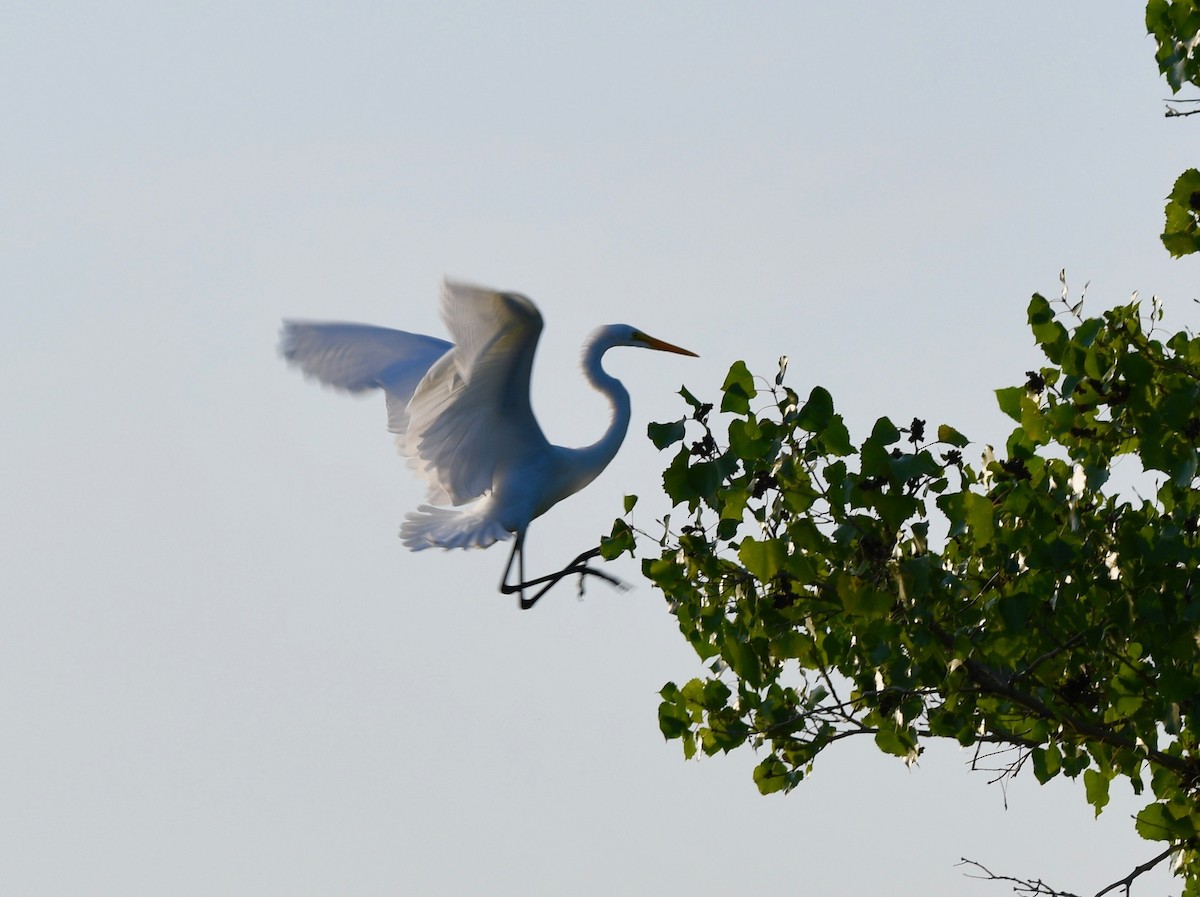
1049, 655
1127, 881
1035, 887
999, 685
1002, 686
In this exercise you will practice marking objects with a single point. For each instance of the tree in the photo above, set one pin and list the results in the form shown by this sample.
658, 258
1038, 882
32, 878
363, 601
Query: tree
888, 588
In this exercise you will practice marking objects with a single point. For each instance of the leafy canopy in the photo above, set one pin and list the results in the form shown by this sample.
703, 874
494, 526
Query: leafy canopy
1175, 27
1053, 614
889, 589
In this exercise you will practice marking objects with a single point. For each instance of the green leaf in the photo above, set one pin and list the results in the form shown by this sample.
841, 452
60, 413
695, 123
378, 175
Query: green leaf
1016, 610
1181, 234
1085, 333
1032, 421
1046, 762
747, 439
951, 436
1096, 785
1039, 311
762, 559
908, 467
1185, 470
863, 599
739, 389
1157, 823
771, 775
742, 659
677, 481
837, 438
620, 540
706, 477
979, 517
817, 411
630, 501
1009, 400
885, 432
673, 718
731, 503
897, 742
1050, 334
689, 744
690, 399
894, 508
666, 434
715, 695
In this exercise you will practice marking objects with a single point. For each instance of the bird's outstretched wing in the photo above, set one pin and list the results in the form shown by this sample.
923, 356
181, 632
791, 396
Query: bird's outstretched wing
471, 411
358, 357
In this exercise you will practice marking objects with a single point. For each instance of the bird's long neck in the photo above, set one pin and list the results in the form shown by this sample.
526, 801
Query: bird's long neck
592, 459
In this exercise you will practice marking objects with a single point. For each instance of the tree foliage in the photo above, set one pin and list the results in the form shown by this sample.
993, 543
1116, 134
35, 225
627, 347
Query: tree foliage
889, 588
1181, 235
1175, 27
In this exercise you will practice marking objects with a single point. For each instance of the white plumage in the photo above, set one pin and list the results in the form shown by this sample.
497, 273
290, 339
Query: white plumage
461, 412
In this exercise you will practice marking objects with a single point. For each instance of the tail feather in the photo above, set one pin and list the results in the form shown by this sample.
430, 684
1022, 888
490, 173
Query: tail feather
430, 527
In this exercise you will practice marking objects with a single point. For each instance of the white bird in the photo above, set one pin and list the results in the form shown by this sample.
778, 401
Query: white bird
461, 415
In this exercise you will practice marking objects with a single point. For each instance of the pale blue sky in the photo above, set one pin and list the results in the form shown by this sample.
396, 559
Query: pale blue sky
220, 673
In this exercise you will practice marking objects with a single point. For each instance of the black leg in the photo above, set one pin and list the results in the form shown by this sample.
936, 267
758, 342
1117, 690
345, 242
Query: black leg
579, 565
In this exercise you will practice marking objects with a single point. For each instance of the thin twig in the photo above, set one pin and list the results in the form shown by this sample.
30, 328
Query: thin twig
1049, 655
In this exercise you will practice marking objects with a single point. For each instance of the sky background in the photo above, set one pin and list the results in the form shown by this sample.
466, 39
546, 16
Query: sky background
221, 673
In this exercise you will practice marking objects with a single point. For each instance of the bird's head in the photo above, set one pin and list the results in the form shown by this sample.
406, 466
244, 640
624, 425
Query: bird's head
624, 335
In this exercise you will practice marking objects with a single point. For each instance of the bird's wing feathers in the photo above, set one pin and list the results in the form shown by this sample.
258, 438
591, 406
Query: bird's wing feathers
358, 357
456, 408
469, 406
477, 318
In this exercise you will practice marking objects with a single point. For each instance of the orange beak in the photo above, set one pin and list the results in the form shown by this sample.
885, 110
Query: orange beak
651, 343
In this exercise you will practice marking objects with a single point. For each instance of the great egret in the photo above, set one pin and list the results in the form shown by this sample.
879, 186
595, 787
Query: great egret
461, 415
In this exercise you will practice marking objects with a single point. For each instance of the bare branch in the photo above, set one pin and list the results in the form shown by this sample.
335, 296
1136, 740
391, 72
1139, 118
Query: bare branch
1003, 772
1032, 887
1035, 887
